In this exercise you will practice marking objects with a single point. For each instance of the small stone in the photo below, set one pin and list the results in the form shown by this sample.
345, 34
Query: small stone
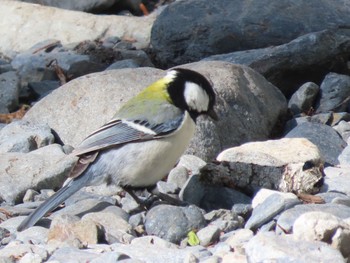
267, 210
30, 195
178, 176
68, 229
303, 99
192, 163
33, 235
267, 247
208, 235
116, 228
31, 258
172, 223
263, 194
238, 238
9, 90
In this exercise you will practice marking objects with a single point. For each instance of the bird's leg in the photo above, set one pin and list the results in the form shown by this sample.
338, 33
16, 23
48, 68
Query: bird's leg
167, 198
143, 204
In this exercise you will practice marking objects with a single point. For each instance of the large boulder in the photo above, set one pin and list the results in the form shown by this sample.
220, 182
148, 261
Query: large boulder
191, 30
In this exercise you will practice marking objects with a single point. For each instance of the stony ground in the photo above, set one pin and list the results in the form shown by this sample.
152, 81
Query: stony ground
268, 181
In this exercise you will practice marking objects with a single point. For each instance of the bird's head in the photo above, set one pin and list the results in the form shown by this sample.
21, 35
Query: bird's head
192, 92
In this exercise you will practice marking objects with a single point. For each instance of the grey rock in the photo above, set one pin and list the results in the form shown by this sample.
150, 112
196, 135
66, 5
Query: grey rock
208, 235
264, 193
330, 118
81, 68
324, 137
115, 227
191, 163
33, 67
137, 219
336, 180
303, 99
343, 128
286, 220
267, 210
173, 223
234, 85
83, 207
210, 197
89, 26
167, 187
113, 257
175, 42
265, 247
329, 197
16, 249
344, 157
9, 91
342, 200
30, 195
158, 250
178, 176
33, 235
225, 220
243, 210
43, 168
125, 63
292, 64
323, 227
43, 88
85, 6
69, 230
72, 254
22, 136
334, 90
138, 56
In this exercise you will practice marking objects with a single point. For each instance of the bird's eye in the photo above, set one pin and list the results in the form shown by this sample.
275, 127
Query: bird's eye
308, 165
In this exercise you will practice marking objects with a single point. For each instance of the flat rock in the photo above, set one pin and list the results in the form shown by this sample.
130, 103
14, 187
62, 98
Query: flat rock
286, 165
51, 23
265, 247
43, 168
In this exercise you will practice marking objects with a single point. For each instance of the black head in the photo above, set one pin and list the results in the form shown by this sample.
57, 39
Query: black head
192, 92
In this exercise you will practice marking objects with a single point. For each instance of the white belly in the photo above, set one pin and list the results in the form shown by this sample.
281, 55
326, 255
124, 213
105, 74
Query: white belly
143, 164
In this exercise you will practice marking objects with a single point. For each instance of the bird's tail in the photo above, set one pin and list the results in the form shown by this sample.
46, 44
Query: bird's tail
54, 201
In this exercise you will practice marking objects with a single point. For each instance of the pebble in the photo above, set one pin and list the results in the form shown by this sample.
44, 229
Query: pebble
173, 223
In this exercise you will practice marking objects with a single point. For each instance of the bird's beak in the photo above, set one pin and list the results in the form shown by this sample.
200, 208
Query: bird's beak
212, 114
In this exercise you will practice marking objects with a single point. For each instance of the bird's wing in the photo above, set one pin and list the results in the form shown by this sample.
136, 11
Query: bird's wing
118, 132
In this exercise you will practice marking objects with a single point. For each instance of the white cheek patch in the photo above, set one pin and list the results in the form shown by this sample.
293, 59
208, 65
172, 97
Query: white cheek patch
196, 98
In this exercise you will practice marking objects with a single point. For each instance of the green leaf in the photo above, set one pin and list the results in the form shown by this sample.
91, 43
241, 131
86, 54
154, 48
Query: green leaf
193, 240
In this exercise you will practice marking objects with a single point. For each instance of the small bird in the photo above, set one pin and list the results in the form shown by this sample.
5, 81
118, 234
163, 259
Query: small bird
142, 142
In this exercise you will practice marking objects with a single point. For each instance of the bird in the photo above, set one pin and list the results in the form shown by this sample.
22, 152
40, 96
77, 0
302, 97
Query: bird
142, 142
